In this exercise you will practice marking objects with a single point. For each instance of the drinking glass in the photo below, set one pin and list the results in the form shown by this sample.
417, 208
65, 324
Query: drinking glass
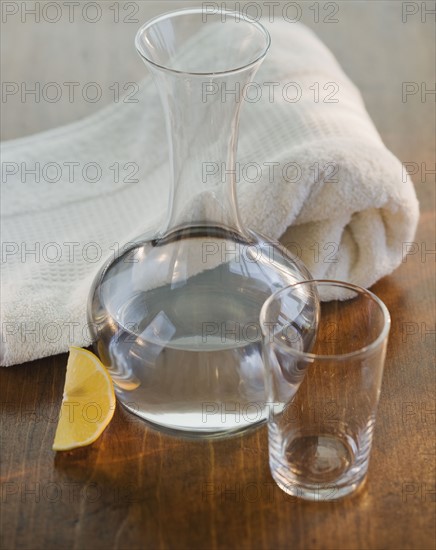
324, 345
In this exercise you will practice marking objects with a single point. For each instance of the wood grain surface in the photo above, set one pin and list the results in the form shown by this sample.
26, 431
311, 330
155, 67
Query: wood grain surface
135, 488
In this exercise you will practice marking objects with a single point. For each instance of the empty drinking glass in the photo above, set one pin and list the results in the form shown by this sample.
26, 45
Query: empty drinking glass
324, 345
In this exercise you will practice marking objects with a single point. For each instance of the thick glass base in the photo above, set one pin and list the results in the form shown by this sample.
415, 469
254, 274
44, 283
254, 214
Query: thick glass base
176, 322
317, 467
318, 492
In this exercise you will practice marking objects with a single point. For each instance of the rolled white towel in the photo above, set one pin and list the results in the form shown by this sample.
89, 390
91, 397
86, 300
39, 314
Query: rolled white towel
343, 204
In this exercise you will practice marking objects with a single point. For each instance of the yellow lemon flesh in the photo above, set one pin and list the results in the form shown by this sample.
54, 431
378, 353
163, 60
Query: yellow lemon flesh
88, 403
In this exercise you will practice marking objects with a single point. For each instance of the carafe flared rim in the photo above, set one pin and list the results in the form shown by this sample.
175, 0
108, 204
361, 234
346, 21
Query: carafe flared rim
200, 11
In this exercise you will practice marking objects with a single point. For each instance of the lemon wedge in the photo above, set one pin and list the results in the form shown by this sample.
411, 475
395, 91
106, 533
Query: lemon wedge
88, 403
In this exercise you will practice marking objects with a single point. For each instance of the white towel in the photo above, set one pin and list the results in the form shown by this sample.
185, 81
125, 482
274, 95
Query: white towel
346, 211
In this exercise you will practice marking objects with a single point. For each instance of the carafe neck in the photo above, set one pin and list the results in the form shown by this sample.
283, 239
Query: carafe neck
202, 119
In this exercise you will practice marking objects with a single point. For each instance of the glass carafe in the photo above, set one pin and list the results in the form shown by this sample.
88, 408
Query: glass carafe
175, 316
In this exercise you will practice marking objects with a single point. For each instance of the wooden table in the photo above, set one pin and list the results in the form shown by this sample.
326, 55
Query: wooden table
136, 488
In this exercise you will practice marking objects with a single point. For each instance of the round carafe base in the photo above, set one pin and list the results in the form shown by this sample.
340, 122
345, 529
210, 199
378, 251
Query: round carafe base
176, 322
